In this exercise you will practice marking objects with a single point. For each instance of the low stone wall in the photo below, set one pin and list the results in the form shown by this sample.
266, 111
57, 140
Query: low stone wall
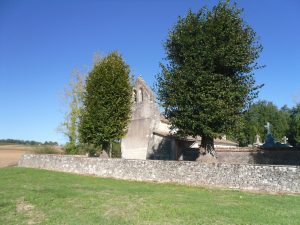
250, 156
273, 157
240, 176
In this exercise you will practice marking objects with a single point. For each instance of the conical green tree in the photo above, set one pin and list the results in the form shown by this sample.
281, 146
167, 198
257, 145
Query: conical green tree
107, 102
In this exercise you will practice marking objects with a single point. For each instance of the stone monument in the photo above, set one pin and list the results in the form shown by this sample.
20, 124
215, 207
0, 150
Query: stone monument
270, 141
285, 139
257, 142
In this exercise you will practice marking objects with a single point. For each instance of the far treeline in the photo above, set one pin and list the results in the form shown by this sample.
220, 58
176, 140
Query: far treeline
206, 88
27, 142
285, 121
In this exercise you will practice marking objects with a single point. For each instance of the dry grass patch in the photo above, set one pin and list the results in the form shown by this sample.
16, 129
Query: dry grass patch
30, 212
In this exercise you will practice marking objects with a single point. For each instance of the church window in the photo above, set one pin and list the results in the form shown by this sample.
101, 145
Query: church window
134, 96
140, 95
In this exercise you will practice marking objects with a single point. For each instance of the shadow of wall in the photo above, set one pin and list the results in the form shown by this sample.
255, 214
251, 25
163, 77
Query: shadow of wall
169, 148
277, 156
162, 149
190, 154
271, 156
262, 156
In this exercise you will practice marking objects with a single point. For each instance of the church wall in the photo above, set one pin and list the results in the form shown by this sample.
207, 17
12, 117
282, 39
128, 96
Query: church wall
145, 117
161, 148
134, 145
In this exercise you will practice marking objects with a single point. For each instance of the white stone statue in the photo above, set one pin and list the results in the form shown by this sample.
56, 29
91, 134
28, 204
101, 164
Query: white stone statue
257, 138
257, 142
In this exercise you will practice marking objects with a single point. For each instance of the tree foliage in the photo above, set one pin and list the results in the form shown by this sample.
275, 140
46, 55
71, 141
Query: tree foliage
73, 97
294, 131
256, 117
207, 82
107, 102
26, 142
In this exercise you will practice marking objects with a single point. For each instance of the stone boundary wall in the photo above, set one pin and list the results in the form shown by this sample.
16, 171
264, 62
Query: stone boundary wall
250, 156
267, 178
271, 157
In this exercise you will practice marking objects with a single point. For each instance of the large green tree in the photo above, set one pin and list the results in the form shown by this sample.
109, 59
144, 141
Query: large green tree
107, 102
207, 81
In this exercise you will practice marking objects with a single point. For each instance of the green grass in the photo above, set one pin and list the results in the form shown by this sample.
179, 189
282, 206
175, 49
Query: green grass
31, 196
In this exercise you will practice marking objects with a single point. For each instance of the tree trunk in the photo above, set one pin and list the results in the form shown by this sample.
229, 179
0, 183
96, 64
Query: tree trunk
207, 145
106, 148
110, 150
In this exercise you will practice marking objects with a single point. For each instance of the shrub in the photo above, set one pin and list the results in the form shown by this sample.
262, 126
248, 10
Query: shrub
70, 148
90, 149
45, 149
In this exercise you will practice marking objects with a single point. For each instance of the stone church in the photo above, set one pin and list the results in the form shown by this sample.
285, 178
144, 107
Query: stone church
149, 135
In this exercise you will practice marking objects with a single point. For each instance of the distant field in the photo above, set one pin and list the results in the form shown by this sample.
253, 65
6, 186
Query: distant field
32, 196
11, 153
16, 147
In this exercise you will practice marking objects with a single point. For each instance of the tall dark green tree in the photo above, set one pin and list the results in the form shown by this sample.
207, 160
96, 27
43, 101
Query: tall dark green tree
207, 81
107, 102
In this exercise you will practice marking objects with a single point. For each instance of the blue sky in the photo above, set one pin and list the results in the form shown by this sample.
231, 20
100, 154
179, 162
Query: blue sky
41, 42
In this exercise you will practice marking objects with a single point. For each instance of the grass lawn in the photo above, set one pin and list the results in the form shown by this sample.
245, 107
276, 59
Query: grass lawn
32, 196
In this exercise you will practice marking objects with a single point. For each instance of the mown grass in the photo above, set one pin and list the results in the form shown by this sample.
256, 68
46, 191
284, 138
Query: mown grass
32, 196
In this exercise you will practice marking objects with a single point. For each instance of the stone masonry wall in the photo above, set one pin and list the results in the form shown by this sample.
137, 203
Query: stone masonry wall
273, 157
267, 178
250, 156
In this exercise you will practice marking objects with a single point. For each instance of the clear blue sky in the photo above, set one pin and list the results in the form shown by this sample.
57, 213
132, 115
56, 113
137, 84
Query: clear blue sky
42, 41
